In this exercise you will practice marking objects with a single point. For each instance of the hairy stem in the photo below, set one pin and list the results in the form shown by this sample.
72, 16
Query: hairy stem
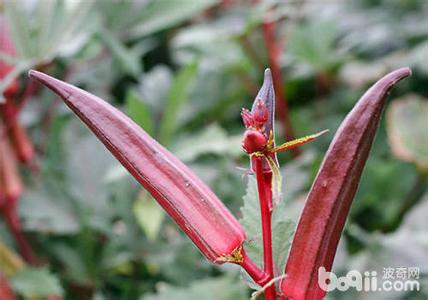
264, 187
274, 53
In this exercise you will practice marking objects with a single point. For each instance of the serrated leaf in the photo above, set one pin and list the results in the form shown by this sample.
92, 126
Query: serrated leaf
223, 288
139, 111
149, 214
407, 125
36, 282
282, 233
282, 229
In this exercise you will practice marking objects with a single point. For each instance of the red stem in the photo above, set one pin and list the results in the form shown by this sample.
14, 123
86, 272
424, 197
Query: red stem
274, 53
26, 95
12, 220
253, 270
264, 180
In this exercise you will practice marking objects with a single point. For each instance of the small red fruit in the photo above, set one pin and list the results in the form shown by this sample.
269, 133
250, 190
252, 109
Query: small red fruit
254, 141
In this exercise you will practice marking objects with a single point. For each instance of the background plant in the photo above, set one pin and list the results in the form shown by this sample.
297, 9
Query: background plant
96, 237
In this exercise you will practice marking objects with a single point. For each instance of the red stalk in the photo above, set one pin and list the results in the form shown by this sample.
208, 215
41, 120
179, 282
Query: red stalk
10, 191
21, 142
192, 205
264, 186
12, 220
5, 289
259, 276
329, 200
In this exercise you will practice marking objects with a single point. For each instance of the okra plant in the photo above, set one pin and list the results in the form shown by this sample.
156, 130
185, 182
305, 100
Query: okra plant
204, 218
15, 146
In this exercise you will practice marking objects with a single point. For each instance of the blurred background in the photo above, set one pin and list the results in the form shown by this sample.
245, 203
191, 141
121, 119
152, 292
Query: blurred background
75, 225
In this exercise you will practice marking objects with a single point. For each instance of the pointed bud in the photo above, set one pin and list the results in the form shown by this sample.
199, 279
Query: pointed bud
192, 205
262, 119
265, 104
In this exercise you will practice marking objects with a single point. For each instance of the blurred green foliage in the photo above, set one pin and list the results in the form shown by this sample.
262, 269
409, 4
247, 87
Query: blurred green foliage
183, 70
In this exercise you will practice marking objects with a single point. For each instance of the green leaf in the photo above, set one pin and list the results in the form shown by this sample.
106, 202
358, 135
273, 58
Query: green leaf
46, 29
160, 15
138, 111
18, 26
221, 288
149, 214
124, 56
36, 282
73, 263
282, 228
314, 44
42, 212
177, 97
407, 130
210, 140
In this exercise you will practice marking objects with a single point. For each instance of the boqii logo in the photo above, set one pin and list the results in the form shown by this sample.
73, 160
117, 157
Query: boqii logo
393, 279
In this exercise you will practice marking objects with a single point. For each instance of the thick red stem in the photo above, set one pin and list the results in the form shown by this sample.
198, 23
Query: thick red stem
264, 187
274, 54
253, 270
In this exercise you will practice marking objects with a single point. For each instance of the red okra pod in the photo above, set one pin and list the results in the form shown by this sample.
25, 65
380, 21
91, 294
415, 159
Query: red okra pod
328, 202
192, 205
